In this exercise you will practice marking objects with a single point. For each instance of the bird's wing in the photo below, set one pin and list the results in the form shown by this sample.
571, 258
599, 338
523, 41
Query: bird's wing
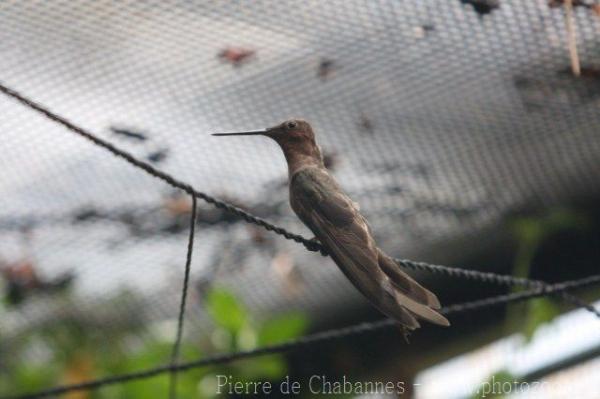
333, 218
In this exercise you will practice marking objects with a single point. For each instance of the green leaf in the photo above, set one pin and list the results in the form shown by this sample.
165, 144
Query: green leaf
270, 367
492, 388
225, 309
29, 377
283, 328
564, 219
528, 231
247, 338
540, 311
532, 230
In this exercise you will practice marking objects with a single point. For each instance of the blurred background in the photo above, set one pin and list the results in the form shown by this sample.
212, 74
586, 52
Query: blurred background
466, 129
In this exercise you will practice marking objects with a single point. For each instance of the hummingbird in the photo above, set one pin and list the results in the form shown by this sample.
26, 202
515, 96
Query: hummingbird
335, 220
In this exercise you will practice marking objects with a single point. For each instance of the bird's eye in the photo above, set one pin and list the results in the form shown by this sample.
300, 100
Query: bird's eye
291, 124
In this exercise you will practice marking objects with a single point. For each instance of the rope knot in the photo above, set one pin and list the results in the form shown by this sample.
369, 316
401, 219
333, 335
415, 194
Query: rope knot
315, 246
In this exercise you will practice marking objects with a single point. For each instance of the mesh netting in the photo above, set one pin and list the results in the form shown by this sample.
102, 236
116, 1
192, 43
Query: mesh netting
439, 120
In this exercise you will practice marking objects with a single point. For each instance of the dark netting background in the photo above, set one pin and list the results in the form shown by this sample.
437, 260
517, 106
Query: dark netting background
440, 122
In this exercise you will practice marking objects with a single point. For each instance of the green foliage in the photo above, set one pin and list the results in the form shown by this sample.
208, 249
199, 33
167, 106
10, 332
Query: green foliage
74, 338
236, 330
539, 311
226, 310
32, 377
283, 328
492, 387
534, 229
530, 233
154, 352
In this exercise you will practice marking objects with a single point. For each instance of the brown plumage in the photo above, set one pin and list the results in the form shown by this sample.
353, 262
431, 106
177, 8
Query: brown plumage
334, 218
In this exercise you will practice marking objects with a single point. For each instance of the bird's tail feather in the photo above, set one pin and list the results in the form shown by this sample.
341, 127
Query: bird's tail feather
417, 299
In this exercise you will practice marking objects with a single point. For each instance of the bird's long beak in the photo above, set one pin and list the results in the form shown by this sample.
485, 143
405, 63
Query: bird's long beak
250, 133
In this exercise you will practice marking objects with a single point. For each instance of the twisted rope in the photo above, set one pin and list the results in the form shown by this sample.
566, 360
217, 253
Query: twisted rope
184, 291
537, 288
308, 340
311, 245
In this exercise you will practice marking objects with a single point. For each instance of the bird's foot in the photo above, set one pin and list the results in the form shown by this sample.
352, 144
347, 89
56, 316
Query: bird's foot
322, 249
405, 333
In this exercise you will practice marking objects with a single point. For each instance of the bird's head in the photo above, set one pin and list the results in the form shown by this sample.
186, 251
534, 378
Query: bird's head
289, 133
295, 137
